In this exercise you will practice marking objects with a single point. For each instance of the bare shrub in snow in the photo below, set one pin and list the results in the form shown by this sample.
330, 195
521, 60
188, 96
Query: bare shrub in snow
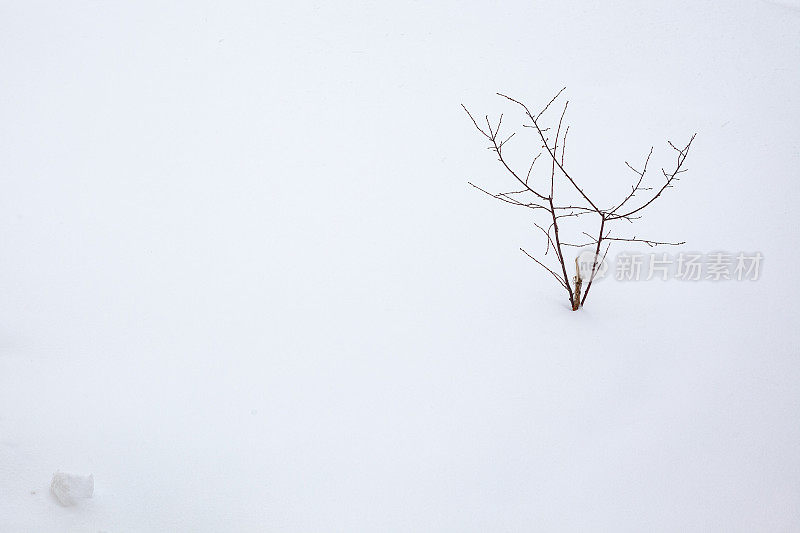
541, 197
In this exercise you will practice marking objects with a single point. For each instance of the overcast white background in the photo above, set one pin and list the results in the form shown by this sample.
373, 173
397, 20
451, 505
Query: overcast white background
244, 283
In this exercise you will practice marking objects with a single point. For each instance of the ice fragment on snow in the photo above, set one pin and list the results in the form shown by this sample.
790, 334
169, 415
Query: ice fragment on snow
68, 488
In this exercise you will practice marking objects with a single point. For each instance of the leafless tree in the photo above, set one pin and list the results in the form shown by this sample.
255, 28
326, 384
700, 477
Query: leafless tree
540, 198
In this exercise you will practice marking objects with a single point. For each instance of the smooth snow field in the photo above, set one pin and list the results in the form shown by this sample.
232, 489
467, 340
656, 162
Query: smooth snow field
245, 285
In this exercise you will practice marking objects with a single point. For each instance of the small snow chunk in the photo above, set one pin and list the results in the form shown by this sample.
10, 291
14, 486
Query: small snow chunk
68, 488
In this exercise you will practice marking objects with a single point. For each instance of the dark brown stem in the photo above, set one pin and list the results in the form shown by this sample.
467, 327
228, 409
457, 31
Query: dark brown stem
558, 249
596, 257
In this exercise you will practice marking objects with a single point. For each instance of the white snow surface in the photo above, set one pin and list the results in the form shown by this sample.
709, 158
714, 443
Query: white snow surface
245, 284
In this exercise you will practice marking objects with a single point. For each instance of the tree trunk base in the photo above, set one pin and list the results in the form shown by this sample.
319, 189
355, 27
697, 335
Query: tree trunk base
576, 296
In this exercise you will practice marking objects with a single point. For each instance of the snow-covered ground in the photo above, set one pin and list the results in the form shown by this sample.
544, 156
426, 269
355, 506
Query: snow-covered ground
246, 286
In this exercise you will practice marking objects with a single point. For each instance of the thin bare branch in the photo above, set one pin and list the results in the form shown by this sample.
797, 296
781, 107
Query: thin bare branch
503, 198
547, 236
492, 136
670, 178
563, 284
638, 185
531, 168
548, 103
555, 150
648, 242
549, 150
